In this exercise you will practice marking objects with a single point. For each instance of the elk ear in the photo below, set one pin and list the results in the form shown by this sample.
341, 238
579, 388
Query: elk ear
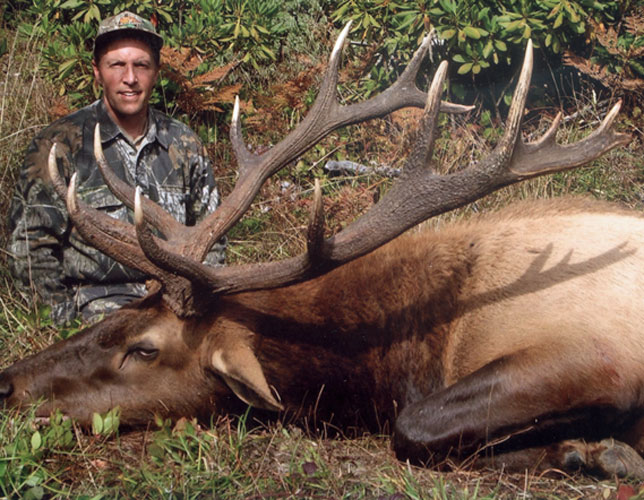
236, 363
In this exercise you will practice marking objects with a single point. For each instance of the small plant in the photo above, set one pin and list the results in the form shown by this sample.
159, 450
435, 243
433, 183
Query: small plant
106, 424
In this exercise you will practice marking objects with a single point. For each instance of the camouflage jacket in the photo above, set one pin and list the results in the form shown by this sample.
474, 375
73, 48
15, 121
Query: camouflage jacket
46, 253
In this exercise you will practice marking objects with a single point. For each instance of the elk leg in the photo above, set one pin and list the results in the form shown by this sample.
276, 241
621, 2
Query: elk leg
607, 458
528, 400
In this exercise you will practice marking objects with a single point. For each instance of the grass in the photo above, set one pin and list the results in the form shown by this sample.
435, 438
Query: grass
233, 459
239, 457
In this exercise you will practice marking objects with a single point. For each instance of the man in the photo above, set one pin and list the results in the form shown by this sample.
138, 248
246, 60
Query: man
143, 146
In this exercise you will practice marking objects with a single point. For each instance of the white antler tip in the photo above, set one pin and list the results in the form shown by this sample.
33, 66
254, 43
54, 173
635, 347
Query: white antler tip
51, 162
528, 51
340, 41
98, 147
236, 110
614, 111
71, 194
138, 209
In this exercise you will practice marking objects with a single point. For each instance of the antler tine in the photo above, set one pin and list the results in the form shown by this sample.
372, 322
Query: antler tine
315, 234
56, 180
545, 155
159, 252
507, 143
80, 214
154, 214
111, 236
420, 157
325, 115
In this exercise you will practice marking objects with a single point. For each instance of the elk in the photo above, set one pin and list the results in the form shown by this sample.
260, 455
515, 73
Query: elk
513, 337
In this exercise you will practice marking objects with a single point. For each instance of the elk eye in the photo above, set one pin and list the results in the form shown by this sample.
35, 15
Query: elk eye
143, 352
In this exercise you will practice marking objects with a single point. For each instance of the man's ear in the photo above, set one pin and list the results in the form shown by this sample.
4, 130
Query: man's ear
234, 360
97, 73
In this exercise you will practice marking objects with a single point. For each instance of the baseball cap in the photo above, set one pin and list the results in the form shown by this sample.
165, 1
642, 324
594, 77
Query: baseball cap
127, 22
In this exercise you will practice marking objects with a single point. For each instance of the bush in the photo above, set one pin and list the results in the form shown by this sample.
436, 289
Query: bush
486, 38
483, 38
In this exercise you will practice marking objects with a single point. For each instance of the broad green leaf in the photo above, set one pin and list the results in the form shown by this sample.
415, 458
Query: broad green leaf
500, 45
487, 50
71, 4
36, 441
472, 32
97, 424
514, 25
465, 68
448, 34
527, 32
263, 30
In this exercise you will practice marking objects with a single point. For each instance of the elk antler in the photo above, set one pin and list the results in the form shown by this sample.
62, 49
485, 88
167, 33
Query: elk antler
417, 194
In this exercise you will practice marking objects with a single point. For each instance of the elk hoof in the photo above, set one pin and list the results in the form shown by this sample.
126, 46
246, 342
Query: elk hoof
615, 458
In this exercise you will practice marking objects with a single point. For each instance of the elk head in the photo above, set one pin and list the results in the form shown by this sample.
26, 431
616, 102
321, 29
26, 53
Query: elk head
187, 349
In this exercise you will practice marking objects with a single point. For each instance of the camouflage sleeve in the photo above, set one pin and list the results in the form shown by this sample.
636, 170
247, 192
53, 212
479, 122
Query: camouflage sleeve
39, 224
203, 199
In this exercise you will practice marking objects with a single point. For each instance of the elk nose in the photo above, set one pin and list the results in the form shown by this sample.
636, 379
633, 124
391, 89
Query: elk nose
6, 387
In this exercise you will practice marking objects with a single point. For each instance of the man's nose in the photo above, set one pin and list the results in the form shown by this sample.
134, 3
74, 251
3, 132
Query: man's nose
130, 75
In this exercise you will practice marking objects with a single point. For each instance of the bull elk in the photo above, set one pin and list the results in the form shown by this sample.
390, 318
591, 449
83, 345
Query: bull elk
513, 337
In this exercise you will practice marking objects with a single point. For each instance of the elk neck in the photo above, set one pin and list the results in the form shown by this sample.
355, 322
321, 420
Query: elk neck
367, 335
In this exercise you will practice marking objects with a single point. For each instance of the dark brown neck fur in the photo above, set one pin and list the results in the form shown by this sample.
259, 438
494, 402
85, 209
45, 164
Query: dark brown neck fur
357, 362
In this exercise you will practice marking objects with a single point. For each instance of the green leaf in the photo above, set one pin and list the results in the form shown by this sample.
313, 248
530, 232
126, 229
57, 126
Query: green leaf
448, 6
71, 4
472, 32
34, 493
527, 32
514, 25
448, 34
263, 30
637, 66
94, 12
458, 58
500, 45
465, 68
97, 424
558, 21
36, 441
487, 50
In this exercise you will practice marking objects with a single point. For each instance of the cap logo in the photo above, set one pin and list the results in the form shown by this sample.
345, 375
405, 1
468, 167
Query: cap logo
128, 22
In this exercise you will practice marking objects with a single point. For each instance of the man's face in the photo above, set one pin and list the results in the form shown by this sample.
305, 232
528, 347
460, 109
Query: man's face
127, 72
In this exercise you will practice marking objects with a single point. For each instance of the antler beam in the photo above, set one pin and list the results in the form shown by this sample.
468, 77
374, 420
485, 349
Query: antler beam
418, 194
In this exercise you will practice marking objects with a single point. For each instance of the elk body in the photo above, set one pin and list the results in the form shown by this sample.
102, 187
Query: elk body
512, 333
